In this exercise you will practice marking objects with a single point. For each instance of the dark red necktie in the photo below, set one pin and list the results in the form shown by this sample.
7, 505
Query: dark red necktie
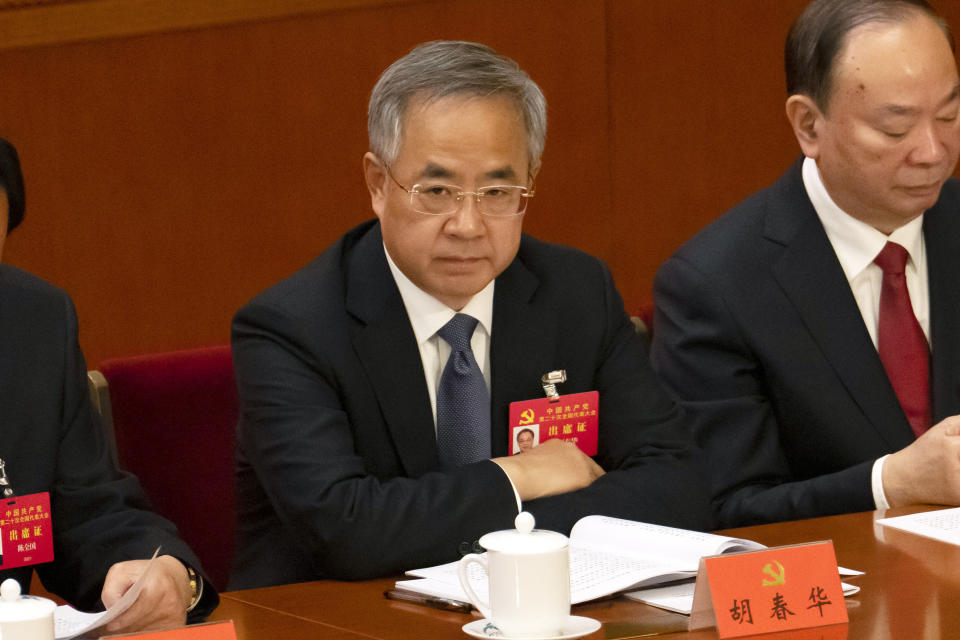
903, 347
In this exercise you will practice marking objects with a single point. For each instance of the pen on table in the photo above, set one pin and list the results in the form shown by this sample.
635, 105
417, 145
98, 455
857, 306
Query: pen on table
445, 604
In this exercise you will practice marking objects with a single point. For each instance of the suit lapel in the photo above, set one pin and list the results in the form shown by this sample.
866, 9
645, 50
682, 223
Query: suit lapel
942, 234
387, 349
811, 277
523, 346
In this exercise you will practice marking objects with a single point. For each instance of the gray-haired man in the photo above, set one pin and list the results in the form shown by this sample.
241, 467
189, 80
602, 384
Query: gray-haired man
359, 453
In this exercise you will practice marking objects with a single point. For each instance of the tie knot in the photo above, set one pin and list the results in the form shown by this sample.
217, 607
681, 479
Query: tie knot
458, 331
892, 259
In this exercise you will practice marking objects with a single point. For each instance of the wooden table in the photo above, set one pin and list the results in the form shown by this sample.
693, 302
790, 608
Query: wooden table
253, 622
911, 590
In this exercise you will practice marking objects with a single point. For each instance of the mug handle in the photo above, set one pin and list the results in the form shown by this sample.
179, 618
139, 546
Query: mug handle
465, 562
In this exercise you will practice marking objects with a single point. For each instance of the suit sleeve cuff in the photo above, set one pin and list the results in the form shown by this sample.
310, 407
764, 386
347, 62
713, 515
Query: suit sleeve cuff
876, 480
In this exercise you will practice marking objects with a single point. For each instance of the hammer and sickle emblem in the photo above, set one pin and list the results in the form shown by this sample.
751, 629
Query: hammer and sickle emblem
779, 576
526, 417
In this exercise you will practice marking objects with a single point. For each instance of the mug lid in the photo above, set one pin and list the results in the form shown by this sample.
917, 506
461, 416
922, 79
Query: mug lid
524, 538
16, 607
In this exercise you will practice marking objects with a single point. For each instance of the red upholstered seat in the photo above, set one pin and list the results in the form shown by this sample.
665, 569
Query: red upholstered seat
174, 417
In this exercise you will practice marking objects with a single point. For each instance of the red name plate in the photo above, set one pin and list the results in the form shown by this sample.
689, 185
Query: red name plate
777, 589
208, 631
572, 417
26, 531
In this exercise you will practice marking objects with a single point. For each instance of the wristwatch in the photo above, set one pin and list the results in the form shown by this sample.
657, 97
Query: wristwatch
196, 587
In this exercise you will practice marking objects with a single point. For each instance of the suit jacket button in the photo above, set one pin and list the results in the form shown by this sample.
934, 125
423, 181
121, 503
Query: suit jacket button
477, 548
464, 548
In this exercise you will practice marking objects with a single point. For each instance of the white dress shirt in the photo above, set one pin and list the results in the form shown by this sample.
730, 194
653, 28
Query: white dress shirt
856, 244
428, 315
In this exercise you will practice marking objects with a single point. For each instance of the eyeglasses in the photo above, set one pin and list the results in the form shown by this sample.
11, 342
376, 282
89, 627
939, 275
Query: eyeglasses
436, 199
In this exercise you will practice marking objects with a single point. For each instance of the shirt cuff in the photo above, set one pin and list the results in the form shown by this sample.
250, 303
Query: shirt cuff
516, 494
876, 480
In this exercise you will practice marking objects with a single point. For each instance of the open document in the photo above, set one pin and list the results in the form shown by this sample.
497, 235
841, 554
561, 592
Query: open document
607, 556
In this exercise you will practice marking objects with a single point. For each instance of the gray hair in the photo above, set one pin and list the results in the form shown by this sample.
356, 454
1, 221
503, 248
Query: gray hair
438, 69
819, 35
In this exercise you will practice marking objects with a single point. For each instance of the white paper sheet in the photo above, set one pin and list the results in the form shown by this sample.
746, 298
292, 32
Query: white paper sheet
941, 525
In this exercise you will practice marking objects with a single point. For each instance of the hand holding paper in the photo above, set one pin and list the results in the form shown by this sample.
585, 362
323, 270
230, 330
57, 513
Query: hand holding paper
164, 594
70, 623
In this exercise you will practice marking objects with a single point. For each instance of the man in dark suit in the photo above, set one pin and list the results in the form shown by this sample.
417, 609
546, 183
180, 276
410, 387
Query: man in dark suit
349, 466
821, 378
50, 441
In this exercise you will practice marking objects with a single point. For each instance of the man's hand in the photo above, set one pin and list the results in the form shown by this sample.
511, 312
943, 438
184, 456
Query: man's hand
163, 600
550, 468
927, 471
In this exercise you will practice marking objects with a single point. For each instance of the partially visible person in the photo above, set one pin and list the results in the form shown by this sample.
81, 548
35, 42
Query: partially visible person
813, 332
525, 440
375, 383
51, 441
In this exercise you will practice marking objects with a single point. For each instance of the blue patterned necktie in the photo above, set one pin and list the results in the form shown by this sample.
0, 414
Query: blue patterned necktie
463, 402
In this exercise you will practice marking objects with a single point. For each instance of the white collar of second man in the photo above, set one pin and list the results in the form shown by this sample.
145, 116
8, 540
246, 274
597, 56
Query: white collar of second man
427, 314
855, 242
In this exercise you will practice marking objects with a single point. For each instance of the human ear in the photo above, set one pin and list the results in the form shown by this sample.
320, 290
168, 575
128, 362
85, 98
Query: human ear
376, 177
806, 119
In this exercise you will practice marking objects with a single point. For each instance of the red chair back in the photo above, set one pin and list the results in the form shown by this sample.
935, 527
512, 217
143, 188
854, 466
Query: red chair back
174, 417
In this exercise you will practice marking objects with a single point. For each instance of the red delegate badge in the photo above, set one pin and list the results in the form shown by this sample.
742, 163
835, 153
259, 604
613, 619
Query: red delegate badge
572, 417
26, 531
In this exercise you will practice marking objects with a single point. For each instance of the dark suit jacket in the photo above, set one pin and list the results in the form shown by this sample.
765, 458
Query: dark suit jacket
759, 336
338, 470
51, 442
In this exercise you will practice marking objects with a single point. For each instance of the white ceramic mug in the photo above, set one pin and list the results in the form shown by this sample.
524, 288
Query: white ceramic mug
529, 580
24, 617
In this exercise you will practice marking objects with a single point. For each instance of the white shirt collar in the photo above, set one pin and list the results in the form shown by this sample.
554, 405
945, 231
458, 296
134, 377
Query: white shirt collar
855, 242
428, 315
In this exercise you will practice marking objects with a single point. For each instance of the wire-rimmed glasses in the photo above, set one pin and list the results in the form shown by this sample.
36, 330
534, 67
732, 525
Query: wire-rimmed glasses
438, 199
